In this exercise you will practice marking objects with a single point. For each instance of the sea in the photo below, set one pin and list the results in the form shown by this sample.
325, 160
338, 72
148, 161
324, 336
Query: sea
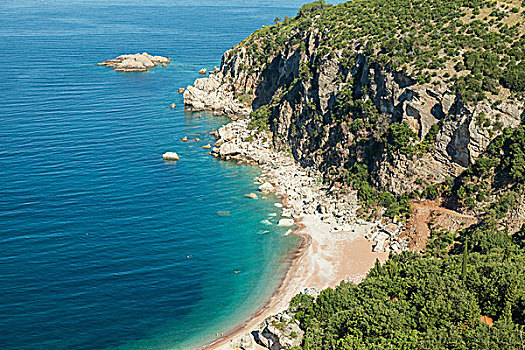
103, 245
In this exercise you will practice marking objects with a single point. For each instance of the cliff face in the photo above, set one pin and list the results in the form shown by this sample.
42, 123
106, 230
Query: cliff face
306, 116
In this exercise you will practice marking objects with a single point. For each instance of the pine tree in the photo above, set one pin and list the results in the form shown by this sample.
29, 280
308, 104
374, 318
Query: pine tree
464, 263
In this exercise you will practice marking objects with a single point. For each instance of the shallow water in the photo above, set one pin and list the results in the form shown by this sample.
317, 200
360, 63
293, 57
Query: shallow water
102, 244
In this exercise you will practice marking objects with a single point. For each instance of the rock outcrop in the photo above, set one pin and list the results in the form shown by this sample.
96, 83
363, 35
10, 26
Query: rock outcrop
170, 156
245, 342
305, 120
138, 62
280, 331
211, 94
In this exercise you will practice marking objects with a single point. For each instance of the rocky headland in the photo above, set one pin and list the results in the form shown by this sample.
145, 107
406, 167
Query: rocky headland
353, 134
139, 62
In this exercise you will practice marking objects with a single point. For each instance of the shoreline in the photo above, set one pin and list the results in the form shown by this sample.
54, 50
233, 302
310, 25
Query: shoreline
334, 247
273, 302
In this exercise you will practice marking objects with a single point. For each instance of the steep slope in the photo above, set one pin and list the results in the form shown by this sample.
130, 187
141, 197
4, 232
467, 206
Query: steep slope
380, 96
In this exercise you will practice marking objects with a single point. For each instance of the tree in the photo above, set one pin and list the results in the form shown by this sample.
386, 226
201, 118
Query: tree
464, 260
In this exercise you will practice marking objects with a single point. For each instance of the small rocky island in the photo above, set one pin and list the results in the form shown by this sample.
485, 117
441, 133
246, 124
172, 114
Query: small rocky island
138, 62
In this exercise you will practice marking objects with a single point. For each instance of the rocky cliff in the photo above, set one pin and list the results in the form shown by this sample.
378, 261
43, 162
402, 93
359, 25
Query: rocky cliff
345, 108
397, 100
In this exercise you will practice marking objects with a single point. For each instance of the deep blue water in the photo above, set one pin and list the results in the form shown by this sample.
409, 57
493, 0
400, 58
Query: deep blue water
102, 244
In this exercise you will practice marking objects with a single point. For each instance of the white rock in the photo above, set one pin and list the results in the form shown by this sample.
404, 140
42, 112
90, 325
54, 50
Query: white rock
130, 64
170, 156
245, 342
286, 222
136, 62
266, 188
228, 149
226, 134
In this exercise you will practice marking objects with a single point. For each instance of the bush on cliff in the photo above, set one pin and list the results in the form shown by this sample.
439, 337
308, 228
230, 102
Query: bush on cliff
260, 118
497, 178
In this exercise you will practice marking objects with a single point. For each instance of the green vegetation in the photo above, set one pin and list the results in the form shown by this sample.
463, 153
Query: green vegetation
497, 179
400, 138
260, 118
474, 46
427, 302
395, 206
467, 289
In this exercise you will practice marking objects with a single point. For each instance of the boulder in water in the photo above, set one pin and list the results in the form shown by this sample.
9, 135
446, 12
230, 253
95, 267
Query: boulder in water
170, 156
138, 62
266, 188
285, 222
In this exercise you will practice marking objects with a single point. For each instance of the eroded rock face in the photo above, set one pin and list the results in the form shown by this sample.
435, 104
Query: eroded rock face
211, 94
138, 62
302, 118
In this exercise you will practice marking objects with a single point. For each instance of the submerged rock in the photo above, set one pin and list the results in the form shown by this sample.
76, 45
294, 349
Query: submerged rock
251, 195
138, 62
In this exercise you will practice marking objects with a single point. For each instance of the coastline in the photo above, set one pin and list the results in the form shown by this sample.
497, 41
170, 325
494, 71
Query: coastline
273, 305
334, 247
297, 275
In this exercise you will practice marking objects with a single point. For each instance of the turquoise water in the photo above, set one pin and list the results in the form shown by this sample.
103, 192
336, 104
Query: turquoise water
102, 244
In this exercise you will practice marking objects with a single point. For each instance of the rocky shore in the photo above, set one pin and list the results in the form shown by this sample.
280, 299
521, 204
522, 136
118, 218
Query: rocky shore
211, 94
327, 215
138, 62
301, 188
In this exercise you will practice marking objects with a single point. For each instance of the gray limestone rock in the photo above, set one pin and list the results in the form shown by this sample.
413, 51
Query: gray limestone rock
138, 62
280, 332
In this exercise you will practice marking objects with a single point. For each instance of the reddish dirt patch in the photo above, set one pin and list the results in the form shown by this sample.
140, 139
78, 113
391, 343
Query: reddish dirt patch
427, 212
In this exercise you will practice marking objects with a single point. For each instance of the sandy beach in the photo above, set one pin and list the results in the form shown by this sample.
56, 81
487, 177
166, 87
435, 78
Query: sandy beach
323, 260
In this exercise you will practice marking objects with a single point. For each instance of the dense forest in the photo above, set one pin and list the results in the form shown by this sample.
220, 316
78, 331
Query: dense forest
474, 46
471, 298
